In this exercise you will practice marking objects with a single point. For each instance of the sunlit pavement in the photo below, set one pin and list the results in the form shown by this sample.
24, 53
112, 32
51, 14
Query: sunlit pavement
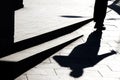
42, 16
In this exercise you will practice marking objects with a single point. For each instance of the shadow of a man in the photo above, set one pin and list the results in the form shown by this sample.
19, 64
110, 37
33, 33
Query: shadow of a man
84, 55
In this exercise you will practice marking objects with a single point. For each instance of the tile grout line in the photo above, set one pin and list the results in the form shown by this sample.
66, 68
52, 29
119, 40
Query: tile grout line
55, 71
27, 77
100, 73
109, 67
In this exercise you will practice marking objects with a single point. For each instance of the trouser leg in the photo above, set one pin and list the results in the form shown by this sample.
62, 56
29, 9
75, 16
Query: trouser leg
100, 11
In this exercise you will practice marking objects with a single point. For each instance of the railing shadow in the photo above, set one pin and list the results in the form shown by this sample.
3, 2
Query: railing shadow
84, 55
24, 44
11, 70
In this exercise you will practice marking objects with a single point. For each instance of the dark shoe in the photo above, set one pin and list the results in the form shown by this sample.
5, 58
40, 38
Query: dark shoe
99, 27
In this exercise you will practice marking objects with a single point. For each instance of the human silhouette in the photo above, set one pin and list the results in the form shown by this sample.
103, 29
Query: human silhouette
84, 55
100, 8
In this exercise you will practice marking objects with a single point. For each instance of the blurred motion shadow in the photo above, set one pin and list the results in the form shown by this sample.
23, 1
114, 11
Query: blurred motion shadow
84, 55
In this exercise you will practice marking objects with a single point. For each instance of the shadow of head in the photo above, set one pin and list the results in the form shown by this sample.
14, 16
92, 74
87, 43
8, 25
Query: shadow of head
76, 72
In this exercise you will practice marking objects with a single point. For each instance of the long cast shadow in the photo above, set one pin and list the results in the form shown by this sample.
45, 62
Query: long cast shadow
11, 70
84, 55
24, 44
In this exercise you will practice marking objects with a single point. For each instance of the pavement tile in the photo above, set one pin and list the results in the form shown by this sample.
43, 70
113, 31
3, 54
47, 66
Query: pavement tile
110, 74
22, 77
109, 60
91, 73
88, 78
41, 71
39, 77
65, 77
115, 67
66, 52
52, 60
110, 78
42, 77
99, 67
48, 65
78, 42
62, 71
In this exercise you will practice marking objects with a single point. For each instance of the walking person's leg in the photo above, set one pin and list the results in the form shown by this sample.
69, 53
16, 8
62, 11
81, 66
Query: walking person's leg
100, 13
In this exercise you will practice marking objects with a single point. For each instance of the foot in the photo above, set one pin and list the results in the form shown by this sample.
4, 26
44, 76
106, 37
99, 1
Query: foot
99, 27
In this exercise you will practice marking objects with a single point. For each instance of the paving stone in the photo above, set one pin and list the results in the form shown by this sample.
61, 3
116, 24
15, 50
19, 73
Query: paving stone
48, 65
110, 74
42, 77
63, 71
78, 42
52, 60
39, 77
115, 67
88, 78
65, 77
99, 67
110, 79
22, 77
65, 52
47, 61
108, 60
90, 74
41, 71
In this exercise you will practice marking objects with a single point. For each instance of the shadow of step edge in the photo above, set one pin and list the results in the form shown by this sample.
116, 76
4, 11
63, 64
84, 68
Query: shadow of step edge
48, 36
27, 43
37, 49
30, 62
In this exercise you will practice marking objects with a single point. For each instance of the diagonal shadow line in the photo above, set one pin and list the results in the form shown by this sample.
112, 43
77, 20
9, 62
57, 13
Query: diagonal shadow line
49, 36
24, 44
115, 7
15, 69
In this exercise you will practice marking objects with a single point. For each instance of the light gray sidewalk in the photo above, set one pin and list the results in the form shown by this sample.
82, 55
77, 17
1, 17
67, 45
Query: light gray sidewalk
42, 16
